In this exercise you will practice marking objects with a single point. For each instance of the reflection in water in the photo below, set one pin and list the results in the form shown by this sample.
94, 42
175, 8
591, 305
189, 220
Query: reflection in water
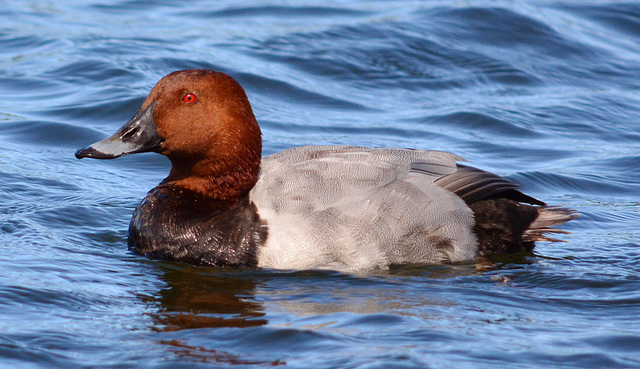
207, 302
198, 297
317, 295
202, 354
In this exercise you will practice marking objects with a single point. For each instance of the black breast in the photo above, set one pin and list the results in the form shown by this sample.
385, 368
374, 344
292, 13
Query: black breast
171, 224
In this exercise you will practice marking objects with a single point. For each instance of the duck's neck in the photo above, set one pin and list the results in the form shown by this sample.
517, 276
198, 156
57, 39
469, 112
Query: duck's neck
216, 180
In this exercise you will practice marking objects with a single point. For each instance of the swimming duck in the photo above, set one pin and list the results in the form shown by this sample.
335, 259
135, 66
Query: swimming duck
314, 207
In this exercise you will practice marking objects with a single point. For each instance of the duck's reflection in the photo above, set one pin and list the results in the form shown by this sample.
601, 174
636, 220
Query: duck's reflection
199, 297
205, 298
196, 298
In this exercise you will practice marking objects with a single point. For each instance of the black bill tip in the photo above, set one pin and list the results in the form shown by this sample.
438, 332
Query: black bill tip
91, 152
137, 135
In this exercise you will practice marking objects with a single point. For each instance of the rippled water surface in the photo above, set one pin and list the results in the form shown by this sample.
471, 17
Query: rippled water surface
546, 93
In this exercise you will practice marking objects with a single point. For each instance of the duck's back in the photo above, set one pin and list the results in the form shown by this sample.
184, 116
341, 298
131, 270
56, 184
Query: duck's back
354, 208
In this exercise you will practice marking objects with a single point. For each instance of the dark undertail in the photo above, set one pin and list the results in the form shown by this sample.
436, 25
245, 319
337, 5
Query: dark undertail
505, 226
505, 223
501, 224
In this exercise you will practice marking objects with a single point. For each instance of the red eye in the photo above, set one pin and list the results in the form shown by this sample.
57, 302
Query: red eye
190, 98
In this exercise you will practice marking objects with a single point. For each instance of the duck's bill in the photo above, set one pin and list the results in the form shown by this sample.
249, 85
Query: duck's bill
137, 135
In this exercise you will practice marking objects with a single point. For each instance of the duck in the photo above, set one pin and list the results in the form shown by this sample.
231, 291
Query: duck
343, 208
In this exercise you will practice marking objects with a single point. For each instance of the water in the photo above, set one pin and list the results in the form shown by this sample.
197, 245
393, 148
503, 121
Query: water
544, 92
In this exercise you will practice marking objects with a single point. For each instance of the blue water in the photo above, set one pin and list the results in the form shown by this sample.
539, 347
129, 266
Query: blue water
546, 93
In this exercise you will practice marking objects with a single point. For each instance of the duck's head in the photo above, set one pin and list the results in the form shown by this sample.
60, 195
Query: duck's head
203, 122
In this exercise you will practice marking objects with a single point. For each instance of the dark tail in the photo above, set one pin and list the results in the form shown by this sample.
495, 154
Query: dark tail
548, 216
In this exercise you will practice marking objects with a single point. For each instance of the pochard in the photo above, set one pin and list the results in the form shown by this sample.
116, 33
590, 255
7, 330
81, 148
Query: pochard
344, 208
